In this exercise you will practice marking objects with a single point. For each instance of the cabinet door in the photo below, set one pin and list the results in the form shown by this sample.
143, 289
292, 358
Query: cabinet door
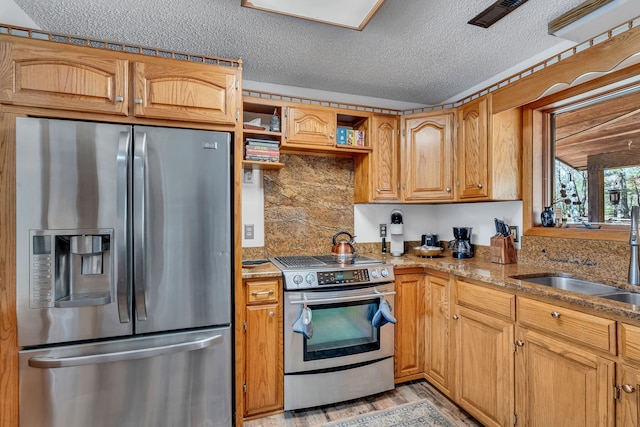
310, 126
64, 78
409, 327
472, 150
628, 405
187, 92
427, 158
559, 384
485, 367
436, 331
263, 359
386, 158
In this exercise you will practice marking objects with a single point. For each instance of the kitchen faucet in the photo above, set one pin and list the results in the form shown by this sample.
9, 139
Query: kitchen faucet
634, 267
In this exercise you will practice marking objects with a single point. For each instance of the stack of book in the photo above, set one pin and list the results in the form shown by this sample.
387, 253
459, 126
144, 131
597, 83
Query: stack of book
261, 150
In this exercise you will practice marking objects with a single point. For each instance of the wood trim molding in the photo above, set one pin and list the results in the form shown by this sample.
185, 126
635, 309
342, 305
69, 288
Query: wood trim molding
576, 13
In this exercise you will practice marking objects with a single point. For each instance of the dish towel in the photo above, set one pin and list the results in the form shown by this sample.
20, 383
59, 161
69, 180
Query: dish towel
383, 315
303, 325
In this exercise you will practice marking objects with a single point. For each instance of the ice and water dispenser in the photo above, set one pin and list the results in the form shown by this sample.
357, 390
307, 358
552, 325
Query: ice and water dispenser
70, 268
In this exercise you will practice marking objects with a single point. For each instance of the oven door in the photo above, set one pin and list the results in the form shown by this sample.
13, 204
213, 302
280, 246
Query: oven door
342, 331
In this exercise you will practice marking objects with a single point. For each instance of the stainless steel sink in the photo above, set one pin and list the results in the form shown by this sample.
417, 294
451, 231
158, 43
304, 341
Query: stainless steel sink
568, 283
626, 297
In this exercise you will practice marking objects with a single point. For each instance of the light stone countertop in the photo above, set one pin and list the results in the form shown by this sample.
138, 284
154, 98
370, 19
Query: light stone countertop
499, 276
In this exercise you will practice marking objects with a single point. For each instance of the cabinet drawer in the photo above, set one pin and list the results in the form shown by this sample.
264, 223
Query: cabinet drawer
487, 300
582, 328
262, 291
630, 342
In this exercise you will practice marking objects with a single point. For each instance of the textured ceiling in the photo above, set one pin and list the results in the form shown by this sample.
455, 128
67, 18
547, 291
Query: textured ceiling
415, 51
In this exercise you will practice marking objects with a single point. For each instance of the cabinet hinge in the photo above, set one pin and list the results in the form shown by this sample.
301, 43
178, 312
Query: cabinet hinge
403, 133
616, 392
515, 419
237, 84
237, 115
244, 388
244, 326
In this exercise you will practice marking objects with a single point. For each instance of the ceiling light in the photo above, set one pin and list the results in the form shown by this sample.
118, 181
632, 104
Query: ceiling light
354, 14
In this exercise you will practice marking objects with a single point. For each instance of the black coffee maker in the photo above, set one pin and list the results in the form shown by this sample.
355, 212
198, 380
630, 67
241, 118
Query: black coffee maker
461, 247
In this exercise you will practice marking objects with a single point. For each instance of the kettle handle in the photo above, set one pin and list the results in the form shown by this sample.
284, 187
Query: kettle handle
342, 232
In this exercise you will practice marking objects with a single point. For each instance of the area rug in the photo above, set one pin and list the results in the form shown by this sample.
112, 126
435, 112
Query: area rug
420, 413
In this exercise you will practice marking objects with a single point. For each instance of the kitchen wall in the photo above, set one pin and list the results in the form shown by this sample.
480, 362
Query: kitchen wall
297, 209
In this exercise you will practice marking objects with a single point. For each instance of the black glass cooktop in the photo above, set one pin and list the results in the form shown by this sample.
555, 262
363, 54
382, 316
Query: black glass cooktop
319, 261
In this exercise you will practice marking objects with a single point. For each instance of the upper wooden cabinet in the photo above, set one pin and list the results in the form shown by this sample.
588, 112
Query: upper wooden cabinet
311, 126
88, 80
472, 163
427, 169
63, 77
489, 152
385, 158
189, 92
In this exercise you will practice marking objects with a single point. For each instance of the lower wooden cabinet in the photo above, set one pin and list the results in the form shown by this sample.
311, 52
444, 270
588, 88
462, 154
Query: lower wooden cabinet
263, 347
560, 384
437, 344
484, 366
409, 327
628, 396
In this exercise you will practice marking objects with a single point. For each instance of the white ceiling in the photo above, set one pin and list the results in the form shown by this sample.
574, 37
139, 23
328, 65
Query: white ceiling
419, 52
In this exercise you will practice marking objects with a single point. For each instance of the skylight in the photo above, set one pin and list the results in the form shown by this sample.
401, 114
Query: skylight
354, 14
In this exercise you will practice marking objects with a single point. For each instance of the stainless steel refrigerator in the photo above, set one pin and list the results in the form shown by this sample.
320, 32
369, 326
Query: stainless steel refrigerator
124, 275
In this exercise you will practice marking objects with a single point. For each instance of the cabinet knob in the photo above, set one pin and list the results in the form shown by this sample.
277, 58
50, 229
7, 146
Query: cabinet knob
331, 136
456, 317
520, 343
377, 190
271, 314
628, 388
138, 100
119, 98
479, 185
555, 314
448, 190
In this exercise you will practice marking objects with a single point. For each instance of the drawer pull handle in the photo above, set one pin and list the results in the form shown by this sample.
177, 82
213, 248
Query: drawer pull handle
628, 388
119, 98
555, 314
255, 294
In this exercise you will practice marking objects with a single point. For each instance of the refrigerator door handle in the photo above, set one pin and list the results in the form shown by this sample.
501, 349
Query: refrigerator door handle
139, 283
122, 278
119, 356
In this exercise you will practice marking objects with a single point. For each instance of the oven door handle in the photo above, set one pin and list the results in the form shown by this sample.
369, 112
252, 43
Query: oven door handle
306, 300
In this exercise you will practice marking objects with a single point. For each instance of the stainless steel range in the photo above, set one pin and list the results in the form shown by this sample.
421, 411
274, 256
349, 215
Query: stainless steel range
338, 329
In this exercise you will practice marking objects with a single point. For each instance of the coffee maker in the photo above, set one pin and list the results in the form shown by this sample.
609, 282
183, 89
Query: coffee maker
461, 247
396, 229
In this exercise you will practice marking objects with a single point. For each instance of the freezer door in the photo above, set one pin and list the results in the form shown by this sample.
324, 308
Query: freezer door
181, 379
181, 228
72, 281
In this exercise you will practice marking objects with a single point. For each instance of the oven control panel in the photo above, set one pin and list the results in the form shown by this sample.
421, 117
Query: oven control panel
307, 279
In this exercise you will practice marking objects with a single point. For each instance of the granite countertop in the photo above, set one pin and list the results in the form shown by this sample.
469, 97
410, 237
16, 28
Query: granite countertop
500, 276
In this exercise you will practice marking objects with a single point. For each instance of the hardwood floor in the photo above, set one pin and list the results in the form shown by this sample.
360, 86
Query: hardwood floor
403, 393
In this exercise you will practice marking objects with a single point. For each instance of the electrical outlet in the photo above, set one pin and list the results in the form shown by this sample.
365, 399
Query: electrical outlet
383, 230
248, 232
515, 233
247, 176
